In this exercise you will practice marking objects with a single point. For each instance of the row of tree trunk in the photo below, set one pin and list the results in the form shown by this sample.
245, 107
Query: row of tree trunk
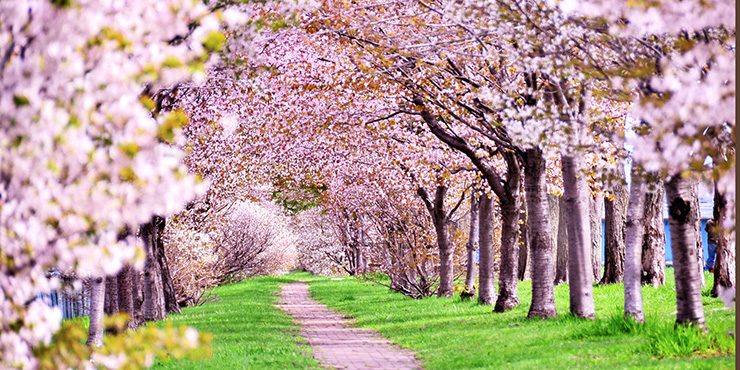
635, 246
653, 240
147, 295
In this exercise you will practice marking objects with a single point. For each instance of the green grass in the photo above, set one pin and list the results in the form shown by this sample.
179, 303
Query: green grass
248, 331
448, 333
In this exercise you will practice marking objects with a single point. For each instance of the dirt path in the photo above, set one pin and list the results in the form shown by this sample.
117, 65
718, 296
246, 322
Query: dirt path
335, 343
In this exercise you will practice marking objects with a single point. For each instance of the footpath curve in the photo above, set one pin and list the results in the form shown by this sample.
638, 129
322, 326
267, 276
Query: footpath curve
335, 343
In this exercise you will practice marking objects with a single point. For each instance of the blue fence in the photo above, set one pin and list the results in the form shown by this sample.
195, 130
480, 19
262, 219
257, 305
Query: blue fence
668, 249
72, 304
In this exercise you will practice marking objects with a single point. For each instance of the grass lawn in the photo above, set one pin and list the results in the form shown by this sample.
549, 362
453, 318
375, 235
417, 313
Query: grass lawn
248, 332
448, 333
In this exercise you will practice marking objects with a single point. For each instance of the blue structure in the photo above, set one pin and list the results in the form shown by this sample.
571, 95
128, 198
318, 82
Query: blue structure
706, 205
72, 305
668, 249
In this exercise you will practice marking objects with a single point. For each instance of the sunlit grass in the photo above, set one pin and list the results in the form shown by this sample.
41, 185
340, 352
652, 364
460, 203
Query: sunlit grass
450, 333
248, 331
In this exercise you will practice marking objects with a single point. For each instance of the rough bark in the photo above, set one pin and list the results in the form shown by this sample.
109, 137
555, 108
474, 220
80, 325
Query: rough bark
446, 273
472, 245
97, 301
596, 206
697, 232
615, 219
125, 294
682, 223
558, 228
633, 249
508, 296
111, 295
553, 208
486, 287
525, 254
168, 288
653, 241
724, 261
543, 289
138, 296
576, 196
154, 304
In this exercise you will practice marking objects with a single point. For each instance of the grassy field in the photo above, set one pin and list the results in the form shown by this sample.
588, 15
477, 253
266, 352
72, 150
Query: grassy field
248, 331
449, 333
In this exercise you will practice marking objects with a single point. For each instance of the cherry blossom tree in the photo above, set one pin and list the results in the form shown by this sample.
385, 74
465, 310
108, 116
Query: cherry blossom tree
677, 63
469, 84
81, 157
325, 118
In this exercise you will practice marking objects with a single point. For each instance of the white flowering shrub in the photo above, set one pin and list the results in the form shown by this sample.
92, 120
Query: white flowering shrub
255, 239
192, 259
319, 250
81, 156
213, 246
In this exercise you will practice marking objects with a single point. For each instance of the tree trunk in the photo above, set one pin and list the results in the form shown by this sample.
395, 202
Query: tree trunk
616, 217
358, 261
525, 254
503, 188
125, 294
486, 287
446, 283
508, 296
576, 198
553, 208
111, 295
559, 229
441, 221
138, 296
697, 232
724, 260
154, 305
97, 302
653, 242
596, 207
543, 289
363, 262
170, 297
472, 245
633, 249
350, 251
682, 224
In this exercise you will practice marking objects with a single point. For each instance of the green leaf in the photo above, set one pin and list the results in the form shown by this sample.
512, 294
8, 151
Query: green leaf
148, 102
173, 121
127, 174
130, 149
61, 3
20, 100
172, 62
214, 41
